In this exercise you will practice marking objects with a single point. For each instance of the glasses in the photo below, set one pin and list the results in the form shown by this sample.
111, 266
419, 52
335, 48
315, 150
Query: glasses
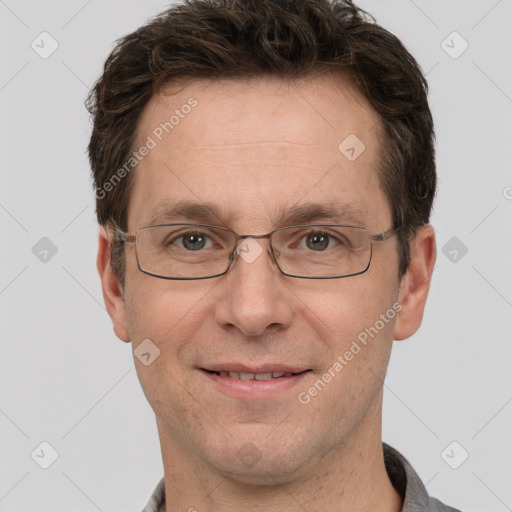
202, 251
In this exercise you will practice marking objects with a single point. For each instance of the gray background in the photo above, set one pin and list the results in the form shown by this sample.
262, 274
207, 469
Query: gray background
67, 380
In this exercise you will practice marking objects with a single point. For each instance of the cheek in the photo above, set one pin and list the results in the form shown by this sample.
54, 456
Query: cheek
340, 309
174, 315
169, 314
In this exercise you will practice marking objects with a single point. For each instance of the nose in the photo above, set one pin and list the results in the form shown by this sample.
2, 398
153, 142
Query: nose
254, 297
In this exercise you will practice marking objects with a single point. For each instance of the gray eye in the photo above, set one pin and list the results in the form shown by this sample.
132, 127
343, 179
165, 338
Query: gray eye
193, 241
317, 241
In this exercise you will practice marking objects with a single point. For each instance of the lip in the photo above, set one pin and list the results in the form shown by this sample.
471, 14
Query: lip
265, 368
255, 389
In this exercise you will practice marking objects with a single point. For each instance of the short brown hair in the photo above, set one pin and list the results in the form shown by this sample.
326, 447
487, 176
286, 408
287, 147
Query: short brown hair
289, 39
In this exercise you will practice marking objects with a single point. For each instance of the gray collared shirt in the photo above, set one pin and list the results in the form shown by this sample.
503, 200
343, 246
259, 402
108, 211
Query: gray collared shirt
403, 477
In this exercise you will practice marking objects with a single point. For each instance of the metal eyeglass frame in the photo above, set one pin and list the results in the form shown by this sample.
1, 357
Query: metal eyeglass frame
124, 237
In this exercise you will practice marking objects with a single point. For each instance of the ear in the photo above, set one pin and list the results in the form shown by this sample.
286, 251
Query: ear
112, 291
415, 284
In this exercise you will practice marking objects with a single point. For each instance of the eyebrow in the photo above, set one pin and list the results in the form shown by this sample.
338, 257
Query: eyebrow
210, 213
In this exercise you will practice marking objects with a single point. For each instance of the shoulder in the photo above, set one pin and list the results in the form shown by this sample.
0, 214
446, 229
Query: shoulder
157, 499
408, 483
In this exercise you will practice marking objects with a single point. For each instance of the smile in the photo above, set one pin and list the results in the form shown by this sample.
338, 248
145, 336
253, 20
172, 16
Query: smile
254, 376
260, 383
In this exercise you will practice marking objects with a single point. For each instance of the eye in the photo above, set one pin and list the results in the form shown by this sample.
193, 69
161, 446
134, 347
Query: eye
191, 241
318, 241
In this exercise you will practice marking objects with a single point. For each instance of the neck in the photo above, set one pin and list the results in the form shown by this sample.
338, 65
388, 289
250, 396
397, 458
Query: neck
351, 478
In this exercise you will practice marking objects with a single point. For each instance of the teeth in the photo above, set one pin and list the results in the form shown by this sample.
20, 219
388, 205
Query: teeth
253, 376
262, 376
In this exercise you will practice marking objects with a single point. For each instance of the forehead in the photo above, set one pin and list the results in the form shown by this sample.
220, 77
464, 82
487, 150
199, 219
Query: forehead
255, 147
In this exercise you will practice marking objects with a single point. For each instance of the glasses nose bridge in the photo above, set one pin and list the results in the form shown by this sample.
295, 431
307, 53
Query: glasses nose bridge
242, 237
270, 248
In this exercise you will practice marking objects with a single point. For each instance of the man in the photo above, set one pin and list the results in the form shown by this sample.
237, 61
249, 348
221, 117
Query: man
264, 175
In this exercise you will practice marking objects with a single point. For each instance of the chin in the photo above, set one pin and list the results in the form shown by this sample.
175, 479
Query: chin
263, 474
262, 462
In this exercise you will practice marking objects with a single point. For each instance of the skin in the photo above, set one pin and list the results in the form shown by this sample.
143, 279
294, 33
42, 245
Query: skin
249, 146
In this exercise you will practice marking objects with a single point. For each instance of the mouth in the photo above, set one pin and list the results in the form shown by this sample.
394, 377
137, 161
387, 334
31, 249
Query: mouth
243, 382
254, 376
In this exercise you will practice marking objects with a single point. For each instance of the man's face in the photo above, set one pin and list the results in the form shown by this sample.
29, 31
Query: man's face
254, 150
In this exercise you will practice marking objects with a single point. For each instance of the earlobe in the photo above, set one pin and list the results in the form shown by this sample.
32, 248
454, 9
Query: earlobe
112, 291
415, 284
